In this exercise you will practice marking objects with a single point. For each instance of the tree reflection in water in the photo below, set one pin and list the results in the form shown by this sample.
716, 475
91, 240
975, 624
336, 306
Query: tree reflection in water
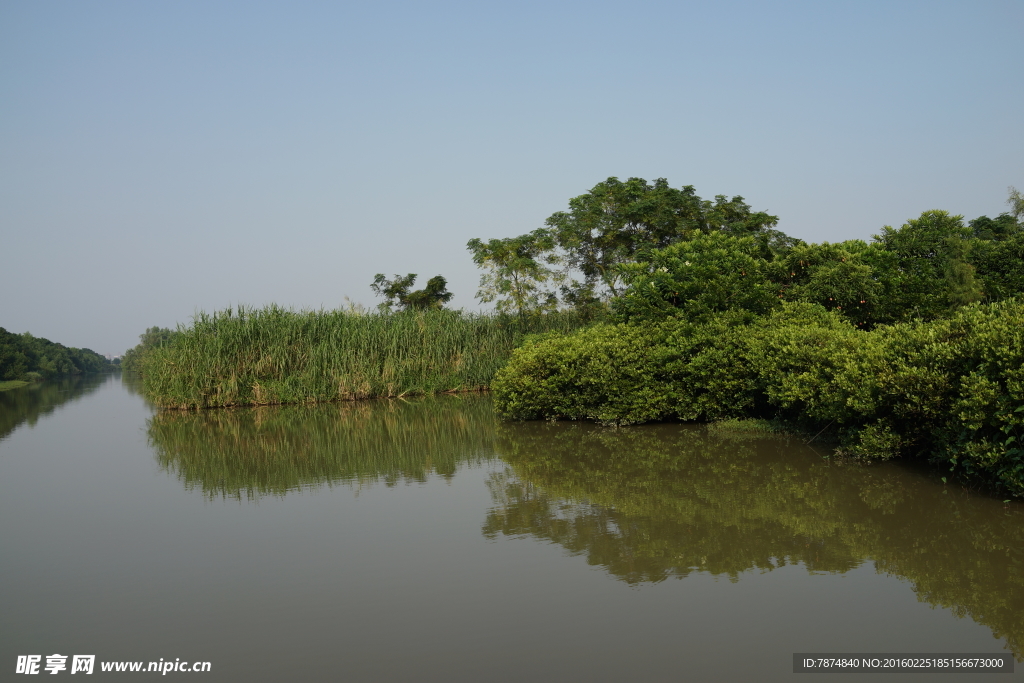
649, 503
644, 503
29, 403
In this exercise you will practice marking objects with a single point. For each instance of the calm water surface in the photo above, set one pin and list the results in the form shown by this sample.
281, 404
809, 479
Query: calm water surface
424, 540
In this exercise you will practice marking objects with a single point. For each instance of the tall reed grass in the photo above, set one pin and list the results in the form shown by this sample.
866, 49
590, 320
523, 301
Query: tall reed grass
273, 355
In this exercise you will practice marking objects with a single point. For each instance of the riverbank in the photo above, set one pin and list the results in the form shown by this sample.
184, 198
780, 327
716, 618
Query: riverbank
13, 384
948, 391
268, 356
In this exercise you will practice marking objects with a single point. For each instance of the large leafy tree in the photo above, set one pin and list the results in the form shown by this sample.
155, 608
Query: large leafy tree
929, 273
841, 277
518, 271
616, 220
580, 250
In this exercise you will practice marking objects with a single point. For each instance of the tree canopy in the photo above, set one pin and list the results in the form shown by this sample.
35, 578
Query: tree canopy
576, 258
398, 292
517, 270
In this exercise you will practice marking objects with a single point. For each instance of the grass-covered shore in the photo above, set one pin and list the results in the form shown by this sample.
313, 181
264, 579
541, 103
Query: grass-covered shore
274, 355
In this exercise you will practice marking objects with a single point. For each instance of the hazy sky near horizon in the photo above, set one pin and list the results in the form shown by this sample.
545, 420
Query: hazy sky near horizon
161, 158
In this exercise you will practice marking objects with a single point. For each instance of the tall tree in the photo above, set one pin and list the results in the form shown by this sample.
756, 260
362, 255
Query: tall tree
580, 251
929, 272
517, 271
615, 220
1016, 202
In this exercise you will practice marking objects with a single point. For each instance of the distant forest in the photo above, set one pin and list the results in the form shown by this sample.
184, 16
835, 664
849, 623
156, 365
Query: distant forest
28, 358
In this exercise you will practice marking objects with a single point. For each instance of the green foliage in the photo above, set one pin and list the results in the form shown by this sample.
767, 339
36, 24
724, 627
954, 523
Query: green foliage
930, 275
273, 355
604, 229
517, 272
1000, 228
926, 269
397, 292
840, 277
615, 221
605, 373
27, 358
949, 390
709, 274
1016, 202
625, 374
999, 264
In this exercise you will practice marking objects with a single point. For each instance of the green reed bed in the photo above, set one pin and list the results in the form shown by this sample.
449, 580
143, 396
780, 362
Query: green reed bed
273, 355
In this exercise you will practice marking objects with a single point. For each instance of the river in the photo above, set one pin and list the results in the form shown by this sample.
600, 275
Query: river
425, 540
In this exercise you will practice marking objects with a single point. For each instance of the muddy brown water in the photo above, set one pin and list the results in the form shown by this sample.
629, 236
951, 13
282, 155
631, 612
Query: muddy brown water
425, 540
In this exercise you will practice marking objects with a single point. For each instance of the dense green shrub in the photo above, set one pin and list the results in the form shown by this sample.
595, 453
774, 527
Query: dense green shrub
629, 373
709, 274
950, 390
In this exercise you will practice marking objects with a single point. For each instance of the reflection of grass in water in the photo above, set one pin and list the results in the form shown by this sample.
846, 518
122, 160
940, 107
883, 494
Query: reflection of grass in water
654, 502
746, 427
29, 403
252, 452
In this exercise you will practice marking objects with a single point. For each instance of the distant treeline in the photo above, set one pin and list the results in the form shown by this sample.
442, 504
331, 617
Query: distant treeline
28, 358
152, 338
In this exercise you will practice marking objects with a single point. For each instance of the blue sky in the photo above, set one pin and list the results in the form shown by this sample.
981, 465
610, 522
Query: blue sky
161, 158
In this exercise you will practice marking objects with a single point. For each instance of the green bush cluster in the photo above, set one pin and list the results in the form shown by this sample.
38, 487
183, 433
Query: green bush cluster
950, 389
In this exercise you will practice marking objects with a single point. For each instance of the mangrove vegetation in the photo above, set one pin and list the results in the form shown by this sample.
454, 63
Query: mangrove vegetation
911, 345
643, 302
